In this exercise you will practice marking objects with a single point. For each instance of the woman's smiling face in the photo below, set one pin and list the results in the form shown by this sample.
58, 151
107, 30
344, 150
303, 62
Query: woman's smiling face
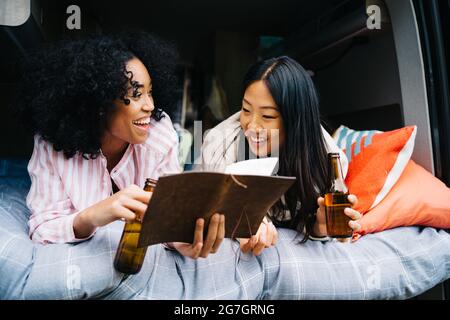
261, 120
130, 123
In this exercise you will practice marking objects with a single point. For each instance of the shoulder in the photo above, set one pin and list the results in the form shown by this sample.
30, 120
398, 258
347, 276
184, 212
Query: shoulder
162, 136
217, 148
229, 124
45, 157
40, 141
226, 128
45, 148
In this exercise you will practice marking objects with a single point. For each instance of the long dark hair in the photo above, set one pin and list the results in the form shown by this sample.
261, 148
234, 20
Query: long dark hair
303, 153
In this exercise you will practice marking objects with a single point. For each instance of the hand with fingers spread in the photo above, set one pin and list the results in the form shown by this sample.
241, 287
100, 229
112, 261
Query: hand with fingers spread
200, 248
265, 237
125, 204
320, 227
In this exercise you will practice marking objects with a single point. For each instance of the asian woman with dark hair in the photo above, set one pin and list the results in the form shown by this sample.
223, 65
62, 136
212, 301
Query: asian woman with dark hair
280, 117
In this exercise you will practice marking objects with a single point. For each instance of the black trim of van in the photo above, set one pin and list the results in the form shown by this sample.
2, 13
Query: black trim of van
433, 17
436, 74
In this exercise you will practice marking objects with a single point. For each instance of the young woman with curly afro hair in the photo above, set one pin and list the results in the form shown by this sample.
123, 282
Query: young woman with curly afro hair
93, 106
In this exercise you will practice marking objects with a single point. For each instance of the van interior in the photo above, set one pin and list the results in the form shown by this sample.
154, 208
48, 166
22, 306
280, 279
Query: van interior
367, 78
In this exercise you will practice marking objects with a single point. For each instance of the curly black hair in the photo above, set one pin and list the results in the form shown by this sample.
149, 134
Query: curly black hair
67, 89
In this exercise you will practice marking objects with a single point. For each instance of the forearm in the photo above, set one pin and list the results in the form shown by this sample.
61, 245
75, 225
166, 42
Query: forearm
82, 225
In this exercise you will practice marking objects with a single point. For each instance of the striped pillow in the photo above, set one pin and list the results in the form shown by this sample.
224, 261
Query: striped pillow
376, 161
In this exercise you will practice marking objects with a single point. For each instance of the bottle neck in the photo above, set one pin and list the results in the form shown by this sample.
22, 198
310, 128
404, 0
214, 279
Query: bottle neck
337, 178
149, 187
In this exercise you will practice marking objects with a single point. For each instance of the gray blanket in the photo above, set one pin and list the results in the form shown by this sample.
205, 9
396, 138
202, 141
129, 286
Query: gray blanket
394, 264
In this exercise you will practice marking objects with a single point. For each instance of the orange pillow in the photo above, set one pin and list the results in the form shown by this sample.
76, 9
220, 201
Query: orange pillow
418, 198
376, 161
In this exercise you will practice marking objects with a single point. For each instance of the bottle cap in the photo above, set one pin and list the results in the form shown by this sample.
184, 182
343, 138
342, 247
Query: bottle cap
334, 155
151, 181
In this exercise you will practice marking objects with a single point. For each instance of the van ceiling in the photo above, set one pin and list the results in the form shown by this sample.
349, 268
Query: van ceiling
277, 17
176, 19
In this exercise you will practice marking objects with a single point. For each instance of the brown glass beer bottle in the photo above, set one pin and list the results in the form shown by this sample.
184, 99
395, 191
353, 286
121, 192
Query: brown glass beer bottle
129, 258
336, 200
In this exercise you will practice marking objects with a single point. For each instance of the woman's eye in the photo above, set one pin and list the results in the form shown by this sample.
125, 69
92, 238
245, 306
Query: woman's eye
245, 110
136, 95
269, 117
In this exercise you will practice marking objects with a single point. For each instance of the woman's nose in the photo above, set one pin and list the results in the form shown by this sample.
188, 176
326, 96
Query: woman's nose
148, 105
254, 125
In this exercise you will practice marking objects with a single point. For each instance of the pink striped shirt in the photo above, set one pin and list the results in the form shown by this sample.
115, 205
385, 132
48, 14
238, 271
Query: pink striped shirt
61, 188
